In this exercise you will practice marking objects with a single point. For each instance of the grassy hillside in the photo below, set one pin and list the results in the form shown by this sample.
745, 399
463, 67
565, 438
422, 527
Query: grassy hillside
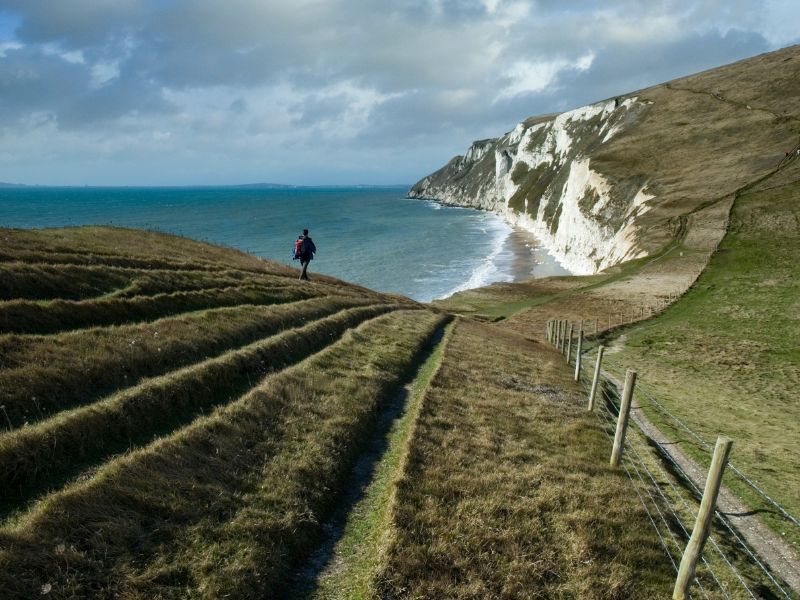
142, 431
722, 358
272, 438
725, 359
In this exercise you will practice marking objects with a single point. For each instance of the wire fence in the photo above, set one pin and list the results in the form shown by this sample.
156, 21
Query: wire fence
645, 392
730, 567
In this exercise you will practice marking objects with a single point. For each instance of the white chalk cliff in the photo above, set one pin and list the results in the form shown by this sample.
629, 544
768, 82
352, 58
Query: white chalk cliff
542, 176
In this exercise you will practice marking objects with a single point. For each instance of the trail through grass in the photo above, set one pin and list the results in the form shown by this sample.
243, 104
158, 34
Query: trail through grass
350, 559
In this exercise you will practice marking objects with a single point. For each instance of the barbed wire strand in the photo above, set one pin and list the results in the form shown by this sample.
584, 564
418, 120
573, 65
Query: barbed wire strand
646, 509
609, 417
731, 466
689, 510
724, 521
610, 421
683, 526
643, 390
693, 514
740, 541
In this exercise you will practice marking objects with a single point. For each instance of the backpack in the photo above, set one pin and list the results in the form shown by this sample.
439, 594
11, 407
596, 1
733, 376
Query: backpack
298, 248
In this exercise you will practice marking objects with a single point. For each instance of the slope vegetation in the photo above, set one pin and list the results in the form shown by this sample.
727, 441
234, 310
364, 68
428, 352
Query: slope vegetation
286, 439
188, 446
725, 358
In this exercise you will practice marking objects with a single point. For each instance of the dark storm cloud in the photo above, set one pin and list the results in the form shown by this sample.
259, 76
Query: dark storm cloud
333, 80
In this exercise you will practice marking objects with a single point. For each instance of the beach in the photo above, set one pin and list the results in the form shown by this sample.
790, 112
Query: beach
525, 258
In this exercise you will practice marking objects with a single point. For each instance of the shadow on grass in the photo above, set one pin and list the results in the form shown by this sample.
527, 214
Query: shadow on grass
306, 579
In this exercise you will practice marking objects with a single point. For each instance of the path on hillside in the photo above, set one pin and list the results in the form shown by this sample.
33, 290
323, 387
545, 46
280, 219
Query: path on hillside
781, 559
340, 563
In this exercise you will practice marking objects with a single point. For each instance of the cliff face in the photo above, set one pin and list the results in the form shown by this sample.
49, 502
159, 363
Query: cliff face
612, 181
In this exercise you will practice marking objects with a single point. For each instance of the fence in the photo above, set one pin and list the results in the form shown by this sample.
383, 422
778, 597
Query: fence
729, 567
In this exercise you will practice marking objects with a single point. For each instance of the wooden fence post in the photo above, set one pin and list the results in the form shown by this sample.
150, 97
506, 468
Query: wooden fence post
569, 341
702, 525
578, 355
563, 335
596, 378
622, 419
609, 320
558, 334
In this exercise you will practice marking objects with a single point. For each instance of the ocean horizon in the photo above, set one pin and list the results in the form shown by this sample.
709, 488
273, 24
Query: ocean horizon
370, 235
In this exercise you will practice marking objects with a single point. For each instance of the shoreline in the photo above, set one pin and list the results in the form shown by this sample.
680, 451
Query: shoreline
529, 258
532, 257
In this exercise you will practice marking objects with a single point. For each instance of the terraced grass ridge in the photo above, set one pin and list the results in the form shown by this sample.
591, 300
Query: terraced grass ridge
182, 420
150, 384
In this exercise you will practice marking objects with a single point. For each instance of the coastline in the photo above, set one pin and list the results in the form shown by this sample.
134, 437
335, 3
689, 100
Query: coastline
533, 257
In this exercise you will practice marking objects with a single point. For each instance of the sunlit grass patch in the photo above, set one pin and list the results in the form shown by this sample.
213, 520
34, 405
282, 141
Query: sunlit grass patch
507, 492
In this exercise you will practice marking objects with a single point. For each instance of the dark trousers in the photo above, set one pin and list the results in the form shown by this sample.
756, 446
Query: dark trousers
304, 264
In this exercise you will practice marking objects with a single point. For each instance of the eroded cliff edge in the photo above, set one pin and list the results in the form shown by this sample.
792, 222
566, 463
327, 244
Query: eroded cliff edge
620, 179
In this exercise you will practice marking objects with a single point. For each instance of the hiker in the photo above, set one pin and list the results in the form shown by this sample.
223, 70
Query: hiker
304, 250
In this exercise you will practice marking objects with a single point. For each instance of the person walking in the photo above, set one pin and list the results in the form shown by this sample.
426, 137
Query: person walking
307, 249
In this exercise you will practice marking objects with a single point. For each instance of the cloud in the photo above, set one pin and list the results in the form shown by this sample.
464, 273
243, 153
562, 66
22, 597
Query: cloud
236, 90
527, 77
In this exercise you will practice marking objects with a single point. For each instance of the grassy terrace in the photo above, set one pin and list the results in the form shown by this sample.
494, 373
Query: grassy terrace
33, 459
226, 504
20, 280
210, 450
195, 441
45, 374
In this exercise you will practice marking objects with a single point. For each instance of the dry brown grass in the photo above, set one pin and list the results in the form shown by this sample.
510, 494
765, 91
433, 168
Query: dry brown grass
25, 316
41, 457
43, 281
507, 492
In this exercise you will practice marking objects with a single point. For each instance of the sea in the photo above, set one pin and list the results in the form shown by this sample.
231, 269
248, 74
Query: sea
373, 236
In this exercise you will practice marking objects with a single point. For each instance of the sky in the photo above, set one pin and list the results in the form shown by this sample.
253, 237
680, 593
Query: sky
315, 92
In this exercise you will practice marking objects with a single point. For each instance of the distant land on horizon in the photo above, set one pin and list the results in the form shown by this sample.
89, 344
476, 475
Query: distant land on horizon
272, 186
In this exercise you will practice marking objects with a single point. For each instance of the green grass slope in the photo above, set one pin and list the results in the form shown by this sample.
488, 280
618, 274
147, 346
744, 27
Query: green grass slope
157, 447
725, 358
